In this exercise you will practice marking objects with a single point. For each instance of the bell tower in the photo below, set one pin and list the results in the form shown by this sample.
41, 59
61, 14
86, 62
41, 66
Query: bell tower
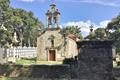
53, 17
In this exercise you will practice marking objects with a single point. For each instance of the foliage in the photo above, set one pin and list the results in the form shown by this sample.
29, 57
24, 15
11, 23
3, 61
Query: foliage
5, 37
91, 36
114, 32
114, 24
19, 20
4, 4
100, 33
72, 30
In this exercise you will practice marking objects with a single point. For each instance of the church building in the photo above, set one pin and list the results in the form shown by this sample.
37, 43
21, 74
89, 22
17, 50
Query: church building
52, 46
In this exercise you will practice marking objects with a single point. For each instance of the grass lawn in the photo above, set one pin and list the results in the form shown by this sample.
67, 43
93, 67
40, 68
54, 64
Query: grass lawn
25, 61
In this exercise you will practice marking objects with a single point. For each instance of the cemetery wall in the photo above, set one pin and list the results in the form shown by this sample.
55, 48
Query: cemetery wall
94, 62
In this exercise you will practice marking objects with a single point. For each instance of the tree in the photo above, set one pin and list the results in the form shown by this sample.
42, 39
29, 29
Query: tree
100, 33
19, 20
114, 32
4, 37
114, 24
72, 30
4, 4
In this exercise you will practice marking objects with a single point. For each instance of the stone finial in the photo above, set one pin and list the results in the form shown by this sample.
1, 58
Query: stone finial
53, 1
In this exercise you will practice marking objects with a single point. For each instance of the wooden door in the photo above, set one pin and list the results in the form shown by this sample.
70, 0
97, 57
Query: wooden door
52, 56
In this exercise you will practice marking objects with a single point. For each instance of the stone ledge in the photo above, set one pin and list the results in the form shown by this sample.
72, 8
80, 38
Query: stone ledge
49, 62
95, 43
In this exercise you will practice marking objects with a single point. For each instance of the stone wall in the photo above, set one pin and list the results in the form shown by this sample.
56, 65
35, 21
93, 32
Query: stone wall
44, 45
70, 48
36, 71
64, 47
95, 60
116, 73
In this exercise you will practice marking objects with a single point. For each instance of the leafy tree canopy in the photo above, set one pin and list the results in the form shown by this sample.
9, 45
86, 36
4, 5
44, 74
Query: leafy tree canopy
20, 21
72, 30
114, 32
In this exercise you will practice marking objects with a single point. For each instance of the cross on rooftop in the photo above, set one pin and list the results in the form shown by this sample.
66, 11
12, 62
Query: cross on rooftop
53, 1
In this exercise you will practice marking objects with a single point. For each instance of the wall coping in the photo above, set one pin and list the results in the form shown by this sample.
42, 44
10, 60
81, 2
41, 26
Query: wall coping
95, 43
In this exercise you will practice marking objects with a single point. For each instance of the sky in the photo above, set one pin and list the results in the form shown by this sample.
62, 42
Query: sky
82, 13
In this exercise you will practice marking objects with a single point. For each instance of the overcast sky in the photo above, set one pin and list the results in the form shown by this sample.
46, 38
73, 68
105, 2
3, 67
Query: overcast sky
75, 12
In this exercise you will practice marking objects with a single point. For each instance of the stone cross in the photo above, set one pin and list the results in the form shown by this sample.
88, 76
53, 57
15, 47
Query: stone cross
53, 1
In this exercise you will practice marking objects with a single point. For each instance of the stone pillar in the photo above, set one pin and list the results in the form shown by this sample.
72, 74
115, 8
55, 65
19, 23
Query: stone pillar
52, 21
95, 60
47, 26
58, 21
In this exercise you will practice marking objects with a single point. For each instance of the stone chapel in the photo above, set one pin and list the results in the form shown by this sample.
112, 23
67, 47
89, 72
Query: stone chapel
51, 44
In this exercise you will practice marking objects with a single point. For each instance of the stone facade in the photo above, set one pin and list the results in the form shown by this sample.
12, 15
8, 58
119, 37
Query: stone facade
70, 48
62, 47
53, 45
45, 46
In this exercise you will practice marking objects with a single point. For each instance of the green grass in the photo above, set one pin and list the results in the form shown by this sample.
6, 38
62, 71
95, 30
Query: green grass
25, 61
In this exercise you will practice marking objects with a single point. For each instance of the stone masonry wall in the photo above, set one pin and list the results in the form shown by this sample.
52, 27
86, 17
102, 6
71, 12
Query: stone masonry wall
94, 63
95, 60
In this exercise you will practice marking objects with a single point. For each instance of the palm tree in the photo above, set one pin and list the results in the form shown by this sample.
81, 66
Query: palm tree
72, 30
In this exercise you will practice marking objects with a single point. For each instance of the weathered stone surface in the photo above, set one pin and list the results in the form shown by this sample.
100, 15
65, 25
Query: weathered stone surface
64, 47
36, 71
94, 63
51, 44
48, 72
95, 60
116, 72
44, 45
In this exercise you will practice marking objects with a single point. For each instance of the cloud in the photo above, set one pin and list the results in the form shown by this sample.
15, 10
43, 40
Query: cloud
27, 0
32, 0
112, 3
85, 25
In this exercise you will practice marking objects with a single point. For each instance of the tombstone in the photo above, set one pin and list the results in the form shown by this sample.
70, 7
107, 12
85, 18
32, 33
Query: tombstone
95, 60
